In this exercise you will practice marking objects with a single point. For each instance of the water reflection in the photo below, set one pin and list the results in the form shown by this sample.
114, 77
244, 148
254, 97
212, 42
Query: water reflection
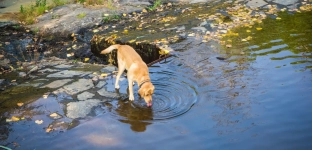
134, 115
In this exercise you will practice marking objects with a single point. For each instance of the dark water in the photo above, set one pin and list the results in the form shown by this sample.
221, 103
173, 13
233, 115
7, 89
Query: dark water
258, 98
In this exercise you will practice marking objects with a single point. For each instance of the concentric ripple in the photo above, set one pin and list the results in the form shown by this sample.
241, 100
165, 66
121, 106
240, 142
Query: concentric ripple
174, 95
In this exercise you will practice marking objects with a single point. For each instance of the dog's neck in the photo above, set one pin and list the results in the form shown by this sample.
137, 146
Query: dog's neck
144, 81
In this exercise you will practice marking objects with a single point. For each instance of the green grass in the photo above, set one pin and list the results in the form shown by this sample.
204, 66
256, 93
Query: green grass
81, 15
111, 18
157, 3
27, 14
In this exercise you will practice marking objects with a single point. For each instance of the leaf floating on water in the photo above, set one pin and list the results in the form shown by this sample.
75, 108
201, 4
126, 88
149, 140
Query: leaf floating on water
86, 59
278, 18
259, 29
244, 40
20, 104
14, 118
248, 31
39, 121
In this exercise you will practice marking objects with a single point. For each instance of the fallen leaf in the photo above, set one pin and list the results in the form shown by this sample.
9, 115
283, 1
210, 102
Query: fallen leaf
104, 74
53, 115
278, 18
86, 59
14, 118
20, 104
48, 129
39, 121
248, 31
259, 29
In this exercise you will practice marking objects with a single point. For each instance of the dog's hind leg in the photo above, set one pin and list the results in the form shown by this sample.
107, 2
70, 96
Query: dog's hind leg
130, 82
121, 69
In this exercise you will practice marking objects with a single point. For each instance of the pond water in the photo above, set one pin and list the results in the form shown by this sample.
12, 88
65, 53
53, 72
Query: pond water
259, 97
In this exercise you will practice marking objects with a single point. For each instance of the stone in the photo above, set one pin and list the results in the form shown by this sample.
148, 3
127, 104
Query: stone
78, 86
85, 95
108, 69
81, 109
67, 74
100, 84
63, 66
57, 83
256, 3
107, 94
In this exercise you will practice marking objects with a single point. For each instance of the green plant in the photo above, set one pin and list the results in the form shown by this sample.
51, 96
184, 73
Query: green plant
28, 14
81, 15
156, 4
59, 2
109, 18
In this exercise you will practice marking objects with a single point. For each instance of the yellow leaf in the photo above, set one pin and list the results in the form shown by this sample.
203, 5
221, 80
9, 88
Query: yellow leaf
104, 74
12, 68
163, 52
20, 104
124, 15
278, 18
86, 59
249, 38
131, 41
39, 121
248, 31
259, 29
14, 118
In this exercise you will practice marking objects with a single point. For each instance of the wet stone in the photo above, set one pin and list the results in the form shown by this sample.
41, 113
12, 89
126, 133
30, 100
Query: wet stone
67, 74
63, 66
100, 84
108, 69
57, 83
47, 70
79, 86
81, 109
84, 96
107, 94
256, 3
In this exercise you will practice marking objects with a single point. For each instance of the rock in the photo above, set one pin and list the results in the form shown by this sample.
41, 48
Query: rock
81, 109
100, 84
84, 96
108, 69
202, 29
68, 74
78, 86
22, 74
63, 66
256, 3
107, 94
57, 83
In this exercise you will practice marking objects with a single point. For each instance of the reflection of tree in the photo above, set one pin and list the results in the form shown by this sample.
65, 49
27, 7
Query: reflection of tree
135, 116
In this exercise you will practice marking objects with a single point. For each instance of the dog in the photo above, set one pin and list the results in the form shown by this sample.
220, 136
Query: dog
137, 71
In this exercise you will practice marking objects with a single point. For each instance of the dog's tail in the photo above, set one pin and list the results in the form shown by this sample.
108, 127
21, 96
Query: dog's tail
109, 49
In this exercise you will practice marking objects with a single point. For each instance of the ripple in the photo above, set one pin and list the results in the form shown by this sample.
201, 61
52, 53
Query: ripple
174, 95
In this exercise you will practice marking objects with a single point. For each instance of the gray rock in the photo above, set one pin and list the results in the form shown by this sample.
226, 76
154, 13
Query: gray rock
285, 2
63, 66
256, 3
64, 20
57, 83
85, 95
21, 74
202, 29
79, 86
1, 81
108, 69
100, 84
67, 74
47, 70
107, 94
81, 109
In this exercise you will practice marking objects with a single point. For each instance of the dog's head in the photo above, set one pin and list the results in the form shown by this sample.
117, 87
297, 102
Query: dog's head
146, 91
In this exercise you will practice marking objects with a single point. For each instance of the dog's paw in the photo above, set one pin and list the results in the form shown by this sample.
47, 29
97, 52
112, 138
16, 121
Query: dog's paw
131, 97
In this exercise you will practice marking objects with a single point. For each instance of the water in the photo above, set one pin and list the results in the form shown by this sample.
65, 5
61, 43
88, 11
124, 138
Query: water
257, 98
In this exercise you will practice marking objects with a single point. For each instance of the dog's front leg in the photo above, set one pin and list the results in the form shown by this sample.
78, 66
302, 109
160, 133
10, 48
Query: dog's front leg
130, 82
